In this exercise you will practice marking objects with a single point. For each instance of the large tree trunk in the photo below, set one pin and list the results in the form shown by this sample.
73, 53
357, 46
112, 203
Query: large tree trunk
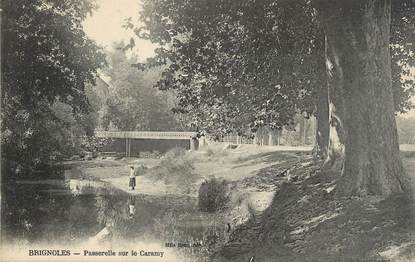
321, 144
362, 123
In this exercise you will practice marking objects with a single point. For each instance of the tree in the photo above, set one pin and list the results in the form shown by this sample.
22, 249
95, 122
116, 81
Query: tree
402, 52
406, 129
362, 121
132, 102
202, 39
278, 67
46, 60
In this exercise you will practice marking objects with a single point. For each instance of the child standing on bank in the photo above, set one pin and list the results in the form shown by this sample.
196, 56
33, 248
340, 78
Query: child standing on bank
132, 178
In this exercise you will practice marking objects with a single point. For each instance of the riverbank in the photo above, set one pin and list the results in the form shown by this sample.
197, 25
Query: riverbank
307, 222
282, 206
242, 166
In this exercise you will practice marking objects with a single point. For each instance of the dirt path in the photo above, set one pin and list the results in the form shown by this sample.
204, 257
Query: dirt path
242, 164
286, 208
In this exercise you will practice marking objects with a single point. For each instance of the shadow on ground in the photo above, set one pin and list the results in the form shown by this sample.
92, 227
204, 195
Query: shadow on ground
273, 157
307, 222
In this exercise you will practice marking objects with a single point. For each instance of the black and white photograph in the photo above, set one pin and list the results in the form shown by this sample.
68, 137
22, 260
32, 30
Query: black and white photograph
207, 130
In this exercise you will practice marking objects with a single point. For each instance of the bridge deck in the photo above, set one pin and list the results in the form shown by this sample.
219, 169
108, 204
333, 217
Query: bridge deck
145, 135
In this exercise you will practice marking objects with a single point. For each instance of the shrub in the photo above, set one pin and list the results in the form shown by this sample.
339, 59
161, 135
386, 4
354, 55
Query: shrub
213, 195
150, 154
94, 144
175, 153
140, 170
156, 154
144, 154
175, 169
209, 152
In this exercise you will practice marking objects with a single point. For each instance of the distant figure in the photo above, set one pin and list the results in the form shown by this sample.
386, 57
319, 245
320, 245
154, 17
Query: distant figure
132, 178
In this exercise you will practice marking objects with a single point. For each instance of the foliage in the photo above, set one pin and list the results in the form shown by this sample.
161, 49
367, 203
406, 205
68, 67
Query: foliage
228, 65
213, 195
175, 169
148, 154
132, 103
243, 64
94, 144
47, 61
403, 53
175, 152
406, 130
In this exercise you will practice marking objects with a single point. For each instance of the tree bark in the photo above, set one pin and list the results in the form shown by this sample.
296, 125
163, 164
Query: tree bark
321, 145
363, 130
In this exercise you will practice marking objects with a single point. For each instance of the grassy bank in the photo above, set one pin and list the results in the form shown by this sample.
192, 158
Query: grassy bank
281, 206
307, 222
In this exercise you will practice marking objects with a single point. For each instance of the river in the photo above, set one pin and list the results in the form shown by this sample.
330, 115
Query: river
77, 214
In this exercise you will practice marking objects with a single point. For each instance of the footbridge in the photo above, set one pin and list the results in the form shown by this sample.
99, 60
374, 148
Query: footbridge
129, 135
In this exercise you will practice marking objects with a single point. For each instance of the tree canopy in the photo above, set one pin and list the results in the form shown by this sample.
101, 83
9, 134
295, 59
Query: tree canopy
47, 60
252, 63
228, 66
246, 64
132, 102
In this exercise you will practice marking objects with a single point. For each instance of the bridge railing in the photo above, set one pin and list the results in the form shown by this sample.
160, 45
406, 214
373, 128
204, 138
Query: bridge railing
145, 135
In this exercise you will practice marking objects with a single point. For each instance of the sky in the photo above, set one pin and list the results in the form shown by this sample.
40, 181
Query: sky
105, 25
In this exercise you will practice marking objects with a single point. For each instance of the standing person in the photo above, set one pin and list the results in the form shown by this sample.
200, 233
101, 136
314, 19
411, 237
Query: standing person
132, 178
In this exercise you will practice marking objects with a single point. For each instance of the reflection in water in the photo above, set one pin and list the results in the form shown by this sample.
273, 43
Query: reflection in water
78, 211
131, 205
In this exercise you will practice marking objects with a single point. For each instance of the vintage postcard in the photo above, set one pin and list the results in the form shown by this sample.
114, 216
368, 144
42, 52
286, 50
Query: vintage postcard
220, 130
